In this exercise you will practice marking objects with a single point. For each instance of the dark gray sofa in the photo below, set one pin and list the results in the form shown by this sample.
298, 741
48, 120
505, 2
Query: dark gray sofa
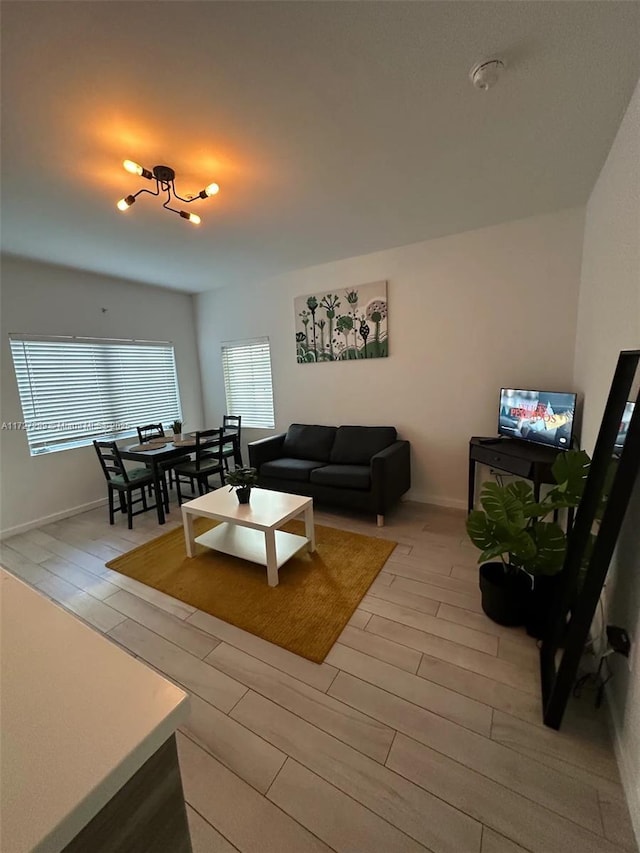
360, 467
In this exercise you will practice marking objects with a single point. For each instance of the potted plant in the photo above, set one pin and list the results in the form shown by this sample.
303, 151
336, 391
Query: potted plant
512, 526
176, 426
242, 479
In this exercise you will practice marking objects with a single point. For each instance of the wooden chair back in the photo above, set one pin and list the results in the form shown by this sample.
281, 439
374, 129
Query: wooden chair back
110, 460
208, 447
150, 431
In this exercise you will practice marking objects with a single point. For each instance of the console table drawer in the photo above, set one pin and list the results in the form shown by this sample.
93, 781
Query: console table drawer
502, 461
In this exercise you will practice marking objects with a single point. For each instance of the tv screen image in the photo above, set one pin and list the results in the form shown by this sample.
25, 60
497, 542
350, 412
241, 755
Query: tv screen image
544, 417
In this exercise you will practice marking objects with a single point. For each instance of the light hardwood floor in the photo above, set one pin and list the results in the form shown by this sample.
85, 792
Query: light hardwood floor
420, 732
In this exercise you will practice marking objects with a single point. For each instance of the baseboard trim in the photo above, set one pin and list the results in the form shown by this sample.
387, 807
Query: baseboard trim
49, 519
436, 500
629, 782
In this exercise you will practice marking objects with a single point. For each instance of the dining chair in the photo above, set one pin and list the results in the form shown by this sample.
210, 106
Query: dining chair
208, 461
157, 431
150, 431
125, 482
232, 425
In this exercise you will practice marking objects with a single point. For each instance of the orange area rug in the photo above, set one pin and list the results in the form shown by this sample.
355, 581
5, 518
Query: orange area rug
305, 613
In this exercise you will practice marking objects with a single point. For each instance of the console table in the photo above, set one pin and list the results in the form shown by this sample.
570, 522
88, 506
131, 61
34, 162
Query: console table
530, 461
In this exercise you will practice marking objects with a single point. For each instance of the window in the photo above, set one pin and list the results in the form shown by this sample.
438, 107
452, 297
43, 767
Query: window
247, 381
74, 390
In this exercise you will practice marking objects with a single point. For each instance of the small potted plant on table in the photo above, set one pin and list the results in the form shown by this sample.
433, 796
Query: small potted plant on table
242, 480
511, 525
176, 426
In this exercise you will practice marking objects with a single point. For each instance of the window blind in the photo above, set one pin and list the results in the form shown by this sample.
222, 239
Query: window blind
74, 390
246, 366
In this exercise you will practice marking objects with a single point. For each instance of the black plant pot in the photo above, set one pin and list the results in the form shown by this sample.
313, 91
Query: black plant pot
243, 493
540, 605
505, 595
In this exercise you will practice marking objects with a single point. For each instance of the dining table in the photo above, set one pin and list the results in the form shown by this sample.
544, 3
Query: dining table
174, 447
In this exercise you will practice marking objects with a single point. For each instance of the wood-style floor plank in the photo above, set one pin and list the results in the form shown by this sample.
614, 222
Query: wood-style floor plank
332, 716
479, 622
27, 570
426, 818
337, 819
492, 842
204, 838
461, 656
380, 647
437, 592
96, 586
359, 619
95, 612
454, 706
196, 675
422, 575
471, 637
595, 756
482, 689
315, 675
172, 628
533, 780
240, 750
249, 821
508, 813
617, 824
283, 754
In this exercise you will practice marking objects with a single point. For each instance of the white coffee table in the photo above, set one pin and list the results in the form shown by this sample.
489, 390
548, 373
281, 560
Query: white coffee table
251, 531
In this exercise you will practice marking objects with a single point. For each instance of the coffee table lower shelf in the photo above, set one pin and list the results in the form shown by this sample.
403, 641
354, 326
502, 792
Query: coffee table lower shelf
250, 544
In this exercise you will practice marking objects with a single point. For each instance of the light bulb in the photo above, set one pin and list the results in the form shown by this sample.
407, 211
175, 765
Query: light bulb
212, 189
125, 203
192, 217
134, 168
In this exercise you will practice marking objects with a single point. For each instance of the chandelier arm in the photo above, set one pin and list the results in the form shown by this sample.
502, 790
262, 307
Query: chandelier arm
149, 192
185, 200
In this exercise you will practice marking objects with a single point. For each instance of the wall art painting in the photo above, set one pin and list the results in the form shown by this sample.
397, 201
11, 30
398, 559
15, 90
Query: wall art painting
343, 324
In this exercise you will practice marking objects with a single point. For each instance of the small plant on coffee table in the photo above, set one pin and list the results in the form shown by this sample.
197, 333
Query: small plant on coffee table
176, 426
242, 480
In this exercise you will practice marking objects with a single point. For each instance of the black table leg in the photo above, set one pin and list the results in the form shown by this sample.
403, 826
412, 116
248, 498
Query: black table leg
157, 473
472, 484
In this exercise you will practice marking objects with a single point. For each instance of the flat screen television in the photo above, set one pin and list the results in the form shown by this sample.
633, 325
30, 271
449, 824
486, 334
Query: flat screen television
542, 417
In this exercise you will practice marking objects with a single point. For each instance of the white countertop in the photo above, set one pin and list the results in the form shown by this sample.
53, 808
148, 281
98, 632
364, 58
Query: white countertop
79, 717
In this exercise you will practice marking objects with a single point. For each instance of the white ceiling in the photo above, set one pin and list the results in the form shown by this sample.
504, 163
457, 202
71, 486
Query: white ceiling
333, 128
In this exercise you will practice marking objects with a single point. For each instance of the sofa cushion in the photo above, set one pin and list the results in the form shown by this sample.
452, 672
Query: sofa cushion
289, 469
355, 445
344, 476
309, 441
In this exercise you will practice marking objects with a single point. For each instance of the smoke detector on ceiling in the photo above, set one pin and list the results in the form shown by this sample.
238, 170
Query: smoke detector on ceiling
484, 75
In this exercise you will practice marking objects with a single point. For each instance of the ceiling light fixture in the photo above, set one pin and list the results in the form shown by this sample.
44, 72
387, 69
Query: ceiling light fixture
164, 177
484, 75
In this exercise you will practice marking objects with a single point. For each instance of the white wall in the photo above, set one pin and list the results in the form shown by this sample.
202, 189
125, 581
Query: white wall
609, 321
468, 314
41, 298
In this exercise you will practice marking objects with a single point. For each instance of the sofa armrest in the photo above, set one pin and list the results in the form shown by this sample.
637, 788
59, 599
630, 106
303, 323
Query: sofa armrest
265, 450
390, 474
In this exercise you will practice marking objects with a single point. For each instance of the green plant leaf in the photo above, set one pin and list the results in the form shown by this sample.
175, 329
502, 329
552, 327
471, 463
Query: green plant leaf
480, 530
570, 471
522, 546
551, 546
501, 506
521, 491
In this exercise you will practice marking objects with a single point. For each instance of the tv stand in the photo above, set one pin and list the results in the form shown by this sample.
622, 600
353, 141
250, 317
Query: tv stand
524, 459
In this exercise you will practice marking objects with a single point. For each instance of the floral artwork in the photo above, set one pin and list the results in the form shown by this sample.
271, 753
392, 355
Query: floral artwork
342, 325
